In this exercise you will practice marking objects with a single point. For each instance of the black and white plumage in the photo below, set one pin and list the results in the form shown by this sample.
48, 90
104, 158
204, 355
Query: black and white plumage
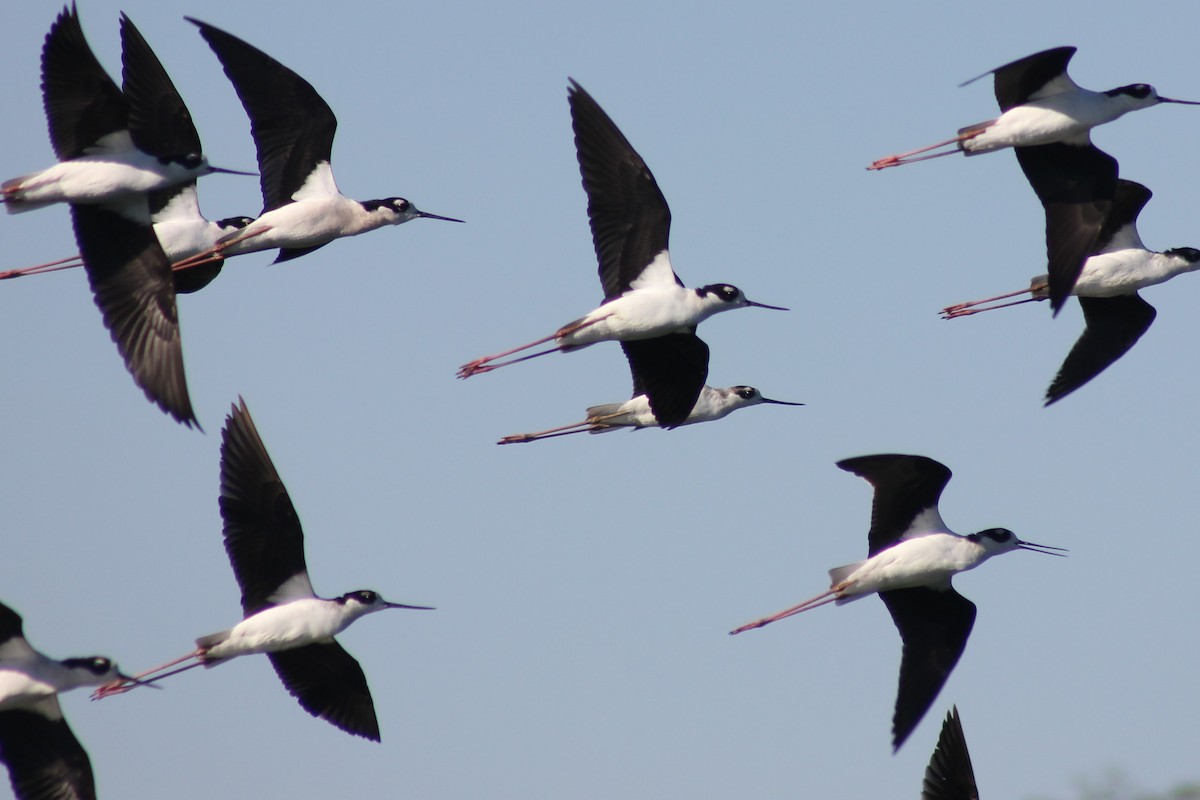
1048, 118
293, 130
110, 144
45, 761
283, 617
912, 556
128, 271
949, 775
181, 230
666, 373
1115, 314
631, 223
1039, 104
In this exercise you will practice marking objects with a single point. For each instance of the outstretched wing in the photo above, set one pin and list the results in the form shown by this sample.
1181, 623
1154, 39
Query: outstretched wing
329, 684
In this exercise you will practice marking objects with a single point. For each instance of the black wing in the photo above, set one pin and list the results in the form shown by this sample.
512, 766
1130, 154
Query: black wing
934, 625
82, 103
134, 290
45, 760
1114, 324
292, 126
949, 775
1076, 185
262, 532
1017, 81
288, 253
629, 216
1129, 199
159, 122
670, 370
905, 486
10, 624
329, 684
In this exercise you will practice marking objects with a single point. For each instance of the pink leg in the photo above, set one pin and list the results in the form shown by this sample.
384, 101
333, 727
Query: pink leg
908, 158
481, 365
813, 602
966, 312
122, 686
213, 253
549, 433
37, 269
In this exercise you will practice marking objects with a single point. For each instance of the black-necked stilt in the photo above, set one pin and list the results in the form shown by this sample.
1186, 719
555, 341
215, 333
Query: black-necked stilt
293, 130
283, 616
1039, 104
130, 275
1107, 288
109, 143
182, 232
631, 222
45, 760
912, 557
949, 775
666, 374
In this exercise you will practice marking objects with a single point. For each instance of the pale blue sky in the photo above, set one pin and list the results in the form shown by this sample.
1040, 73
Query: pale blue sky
585, 585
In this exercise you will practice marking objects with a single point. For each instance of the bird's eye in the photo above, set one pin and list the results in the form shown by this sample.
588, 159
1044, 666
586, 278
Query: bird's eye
368, 597
193, 160
101, 665
745, 392
729, 292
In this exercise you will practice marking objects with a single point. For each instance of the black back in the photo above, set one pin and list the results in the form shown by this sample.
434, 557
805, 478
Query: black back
905, 486
934, 625
82, 103
1076, 185
292, 126
45, 760
329, 684
159, 122
949, 775
1017, 81
670, 370
262, 531
1114, 324
132, 285
629, 216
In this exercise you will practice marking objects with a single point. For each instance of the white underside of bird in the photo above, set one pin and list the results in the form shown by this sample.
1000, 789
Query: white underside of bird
112, 168
1126, 271
1066, 117
928, 556
655, 305
713, 404
294, 624
317, 215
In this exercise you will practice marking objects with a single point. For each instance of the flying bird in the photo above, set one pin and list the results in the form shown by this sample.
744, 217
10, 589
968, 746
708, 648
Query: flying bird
1039, 104
1115, 314
181, 230
949, 775
1048, 119
630, 221
283, 616
912, 556
45, 760
129, 274
668, 391
293, 129
109, 144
